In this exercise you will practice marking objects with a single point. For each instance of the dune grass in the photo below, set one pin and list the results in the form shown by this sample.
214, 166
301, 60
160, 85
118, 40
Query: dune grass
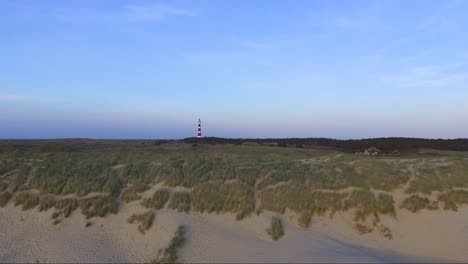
66, 206
453, 199
439, 175
27, 200
169, 254
5, 198
276, 228
304, 219
367, 203
144, 220
99, 206
158, 200
46, 202
180, 201
129, 195
224, 178
416, 203
3, 186
301, 199
218, 197
18, 177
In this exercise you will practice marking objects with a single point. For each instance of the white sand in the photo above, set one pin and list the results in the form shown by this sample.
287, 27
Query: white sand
30, 236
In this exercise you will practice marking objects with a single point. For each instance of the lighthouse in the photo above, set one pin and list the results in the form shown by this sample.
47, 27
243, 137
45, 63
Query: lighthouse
199, 128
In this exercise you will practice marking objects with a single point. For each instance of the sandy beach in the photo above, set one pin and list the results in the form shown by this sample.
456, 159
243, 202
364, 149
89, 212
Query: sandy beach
29, 236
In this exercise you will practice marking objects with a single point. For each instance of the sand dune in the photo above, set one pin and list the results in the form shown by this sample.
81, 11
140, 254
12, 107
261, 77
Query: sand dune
30, 236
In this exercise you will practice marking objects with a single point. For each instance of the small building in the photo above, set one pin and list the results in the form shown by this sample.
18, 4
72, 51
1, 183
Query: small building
372, 151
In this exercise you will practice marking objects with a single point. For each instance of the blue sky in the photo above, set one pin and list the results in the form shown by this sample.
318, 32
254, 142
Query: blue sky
149, 69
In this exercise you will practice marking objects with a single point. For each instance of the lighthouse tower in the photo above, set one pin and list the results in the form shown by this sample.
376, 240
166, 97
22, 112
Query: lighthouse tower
199, 128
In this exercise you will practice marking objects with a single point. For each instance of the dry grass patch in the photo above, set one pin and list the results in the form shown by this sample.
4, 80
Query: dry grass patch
145, 221
180, 201
169, 254
67, 206
4, 198
158, 200
98, 206
275, 230
26, 200
46, 202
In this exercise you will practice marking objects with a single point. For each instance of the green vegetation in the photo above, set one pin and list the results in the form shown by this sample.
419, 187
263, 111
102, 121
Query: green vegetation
145, 221
169, 254
98, 206
4, 198
276, 229
416, 203
226, 178
56, 214
158, 200
439, 175
219, 197
129, 195
180, 201
453, 199
367, 203
46, 202
18, 177
363, 229
304, 219
27, 200
301, 199
3, 186
67, 206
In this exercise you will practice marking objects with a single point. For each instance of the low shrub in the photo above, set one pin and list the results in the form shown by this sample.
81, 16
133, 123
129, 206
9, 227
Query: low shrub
180, 201
26, 200
4, 198
158, 200
276, 229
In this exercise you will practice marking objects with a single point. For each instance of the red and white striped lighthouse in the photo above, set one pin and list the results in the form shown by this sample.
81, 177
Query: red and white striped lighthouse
199, 128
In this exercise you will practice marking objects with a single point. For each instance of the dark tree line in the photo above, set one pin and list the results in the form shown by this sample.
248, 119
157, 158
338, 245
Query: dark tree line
385, 144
